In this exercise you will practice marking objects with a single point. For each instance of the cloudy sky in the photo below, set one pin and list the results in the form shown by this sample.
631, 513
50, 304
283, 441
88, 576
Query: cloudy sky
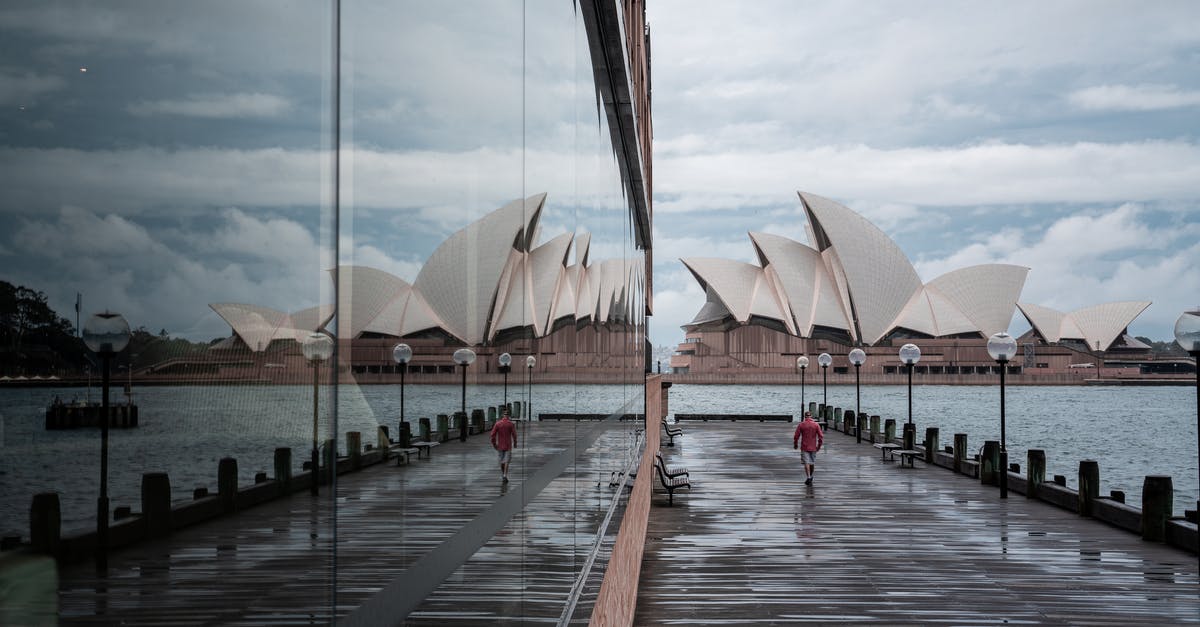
1059, 136
158, 157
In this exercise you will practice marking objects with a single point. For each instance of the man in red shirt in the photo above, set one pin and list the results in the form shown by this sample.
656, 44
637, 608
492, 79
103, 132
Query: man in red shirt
504, 440
808, 439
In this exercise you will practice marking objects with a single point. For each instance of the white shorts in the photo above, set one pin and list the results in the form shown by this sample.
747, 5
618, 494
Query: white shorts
505, 456
808, 457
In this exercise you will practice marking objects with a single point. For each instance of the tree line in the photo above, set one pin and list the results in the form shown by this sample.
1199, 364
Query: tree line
35, 340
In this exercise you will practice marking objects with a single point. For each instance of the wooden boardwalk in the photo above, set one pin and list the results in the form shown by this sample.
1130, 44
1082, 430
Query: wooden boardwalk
873, 543
439, 541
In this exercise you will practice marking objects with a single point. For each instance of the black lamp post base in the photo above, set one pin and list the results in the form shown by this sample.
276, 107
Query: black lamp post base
316, 471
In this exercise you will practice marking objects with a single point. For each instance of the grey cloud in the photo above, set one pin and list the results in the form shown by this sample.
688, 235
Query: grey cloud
242, 105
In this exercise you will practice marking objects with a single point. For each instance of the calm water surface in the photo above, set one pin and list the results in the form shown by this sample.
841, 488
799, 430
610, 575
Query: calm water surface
185, 431
1132, 431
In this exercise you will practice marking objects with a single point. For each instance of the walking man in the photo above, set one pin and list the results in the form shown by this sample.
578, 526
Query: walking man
808, 439
504, 440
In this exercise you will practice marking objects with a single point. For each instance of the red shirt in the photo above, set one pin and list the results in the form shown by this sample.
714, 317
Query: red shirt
809, 433
504, 435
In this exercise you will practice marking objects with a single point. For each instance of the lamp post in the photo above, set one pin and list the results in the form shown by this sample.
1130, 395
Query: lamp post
401, 354
530, 361
824, 359
910, 354
857, 357
505, 366
1002, 347
317, 347
105, 334
1187, 334
802, 364
463, 357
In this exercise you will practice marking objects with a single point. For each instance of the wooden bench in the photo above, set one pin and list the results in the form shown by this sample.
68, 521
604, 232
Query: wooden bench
671, 433
672, 472
888, 450
908, 455
670, 483
402, 453
424, 446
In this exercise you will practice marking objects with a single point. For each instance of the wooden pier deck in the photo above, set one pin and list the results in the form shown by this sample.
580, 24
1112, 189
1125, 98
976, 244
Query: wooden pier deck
873, 543
442, 541
439, 541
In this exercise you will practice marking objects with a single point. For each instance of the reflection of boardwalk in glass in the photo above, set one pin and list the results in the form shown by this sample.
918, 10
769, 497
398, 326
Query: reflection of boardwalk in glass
394, 526
871, 542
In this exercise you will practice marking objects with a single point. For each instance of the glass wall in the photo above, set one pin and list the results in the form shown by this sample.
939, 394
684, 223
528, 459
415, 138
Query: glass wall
240, 180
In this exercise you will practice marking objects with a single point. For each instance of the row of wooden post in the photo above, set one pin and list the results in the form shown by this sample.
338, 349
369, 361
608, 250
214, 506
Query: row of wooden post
45, 517
1157, 490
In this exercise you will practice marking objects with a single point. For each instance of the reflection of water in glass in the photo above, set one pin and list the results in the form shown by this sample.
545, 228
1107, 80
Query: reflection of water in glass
1132, 431
185, 431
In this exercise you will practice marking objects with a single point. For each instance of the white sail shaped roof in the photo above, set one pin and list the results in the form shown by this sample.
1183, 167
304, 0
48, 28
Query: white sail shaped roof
1098, 326
258, 326
984, 294
879, 280
854, 279
460, 279
486, 278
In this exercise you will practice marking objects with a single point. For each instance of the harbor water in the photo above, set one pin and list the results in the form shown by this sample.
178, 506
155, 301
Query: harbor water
185, 431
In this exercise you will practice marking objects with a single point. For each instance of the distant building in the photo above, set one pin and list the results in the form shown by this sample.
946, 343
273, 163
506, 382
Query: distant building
855, 287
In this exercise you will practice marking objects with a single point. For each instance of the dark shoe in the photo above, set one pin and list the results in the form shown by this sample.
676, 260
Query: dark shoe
808, 481
505, 480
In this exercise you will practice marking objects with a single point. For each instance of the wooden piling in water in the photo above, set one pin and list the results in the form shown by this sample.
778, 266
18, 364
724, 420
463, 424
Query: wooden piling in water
354, 448
889, 430
1036, 460
283, 468
423, 429
1157, 498
460, 422
910, 436
989, 463
156, 504
875, 435
45, 523
931, 443
1089, 485
227, 481
861, 425
960, 451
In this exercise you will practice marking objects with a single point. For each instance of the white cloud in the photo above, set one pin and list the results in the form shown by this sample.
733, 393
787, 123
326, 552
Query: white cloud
223, 106
166, 277
1100, 256
982, 173
1143, 97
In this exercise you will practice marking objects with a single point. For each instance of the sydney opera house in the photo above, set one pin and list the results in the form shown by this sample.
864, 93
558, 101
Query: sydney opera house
854, 287
492, 286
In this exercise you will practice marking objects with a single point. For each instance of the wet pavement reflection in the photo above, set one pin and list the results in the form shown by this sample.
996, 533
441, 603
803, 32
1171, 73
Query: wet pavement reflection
871, 542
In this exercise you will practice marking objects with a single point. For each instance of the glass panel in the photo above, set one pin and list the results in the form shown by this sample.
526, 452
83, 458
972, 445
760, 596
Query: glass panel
244, 182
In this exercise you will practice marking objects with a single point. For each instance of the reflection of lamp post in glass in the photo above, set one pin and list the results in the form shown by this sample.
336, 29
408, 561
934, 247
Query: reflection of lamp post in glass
463, 357
824, 359
1002, 347
857, 357
1187, 334
910, 354
401, 354
505, 366
802, 364
530, 361
105, 334
317, 347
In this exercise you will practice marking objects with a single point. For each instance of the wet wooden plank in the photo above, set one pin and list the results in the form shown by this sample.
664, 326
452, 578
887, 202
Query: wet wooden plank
871, 542
305, 561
